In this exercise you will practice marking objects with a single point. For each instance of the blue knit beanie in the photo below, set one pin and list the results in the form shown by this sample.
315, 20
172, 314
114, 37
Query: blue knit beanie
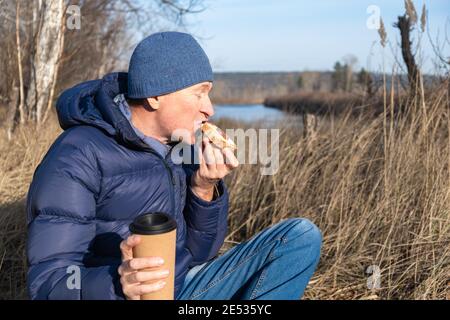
165, 62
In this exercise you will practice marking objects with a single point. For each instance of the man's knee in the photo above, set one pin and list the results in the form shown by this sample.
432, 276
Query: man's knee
305, 231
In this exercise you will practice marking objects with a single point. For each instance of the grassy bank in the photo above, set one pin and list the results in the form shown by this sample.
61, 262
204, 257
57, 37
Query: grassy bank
378, 188
333, 103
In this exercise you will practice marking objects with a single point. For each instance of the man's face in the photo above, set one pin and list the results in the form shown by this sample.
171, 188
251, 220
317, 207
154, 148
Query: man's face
185, 110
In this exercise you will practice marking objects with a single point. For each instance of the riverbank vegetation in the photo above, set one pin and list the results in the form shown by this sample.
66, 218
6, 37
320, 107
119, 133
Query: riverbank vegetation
377, 187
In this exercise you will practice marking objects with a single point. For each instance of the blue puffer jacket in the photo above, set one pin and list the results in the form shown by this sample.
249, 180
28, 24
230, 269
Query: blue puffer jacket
94, 180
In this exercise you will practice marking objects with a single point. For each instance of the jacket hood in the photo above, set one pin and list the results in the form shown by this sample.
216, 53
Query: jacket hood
92, 103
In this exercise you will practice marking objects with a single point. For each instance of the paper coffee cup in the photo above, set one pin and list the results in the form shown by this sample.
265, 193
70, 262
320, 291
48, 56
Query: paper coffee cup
158, 239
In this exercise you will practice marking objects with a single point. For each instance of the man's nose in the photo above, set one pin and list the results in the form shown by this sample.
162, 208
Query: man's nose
207, 107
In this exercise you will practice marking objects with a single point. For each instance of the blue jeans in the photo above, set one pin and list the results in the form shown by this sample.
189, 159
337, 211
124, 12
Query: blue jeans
275, 264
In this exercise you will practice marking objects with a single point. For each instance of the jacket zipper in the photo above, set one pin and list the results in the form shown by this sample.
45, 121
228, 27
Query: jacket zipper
174, 183
171, 177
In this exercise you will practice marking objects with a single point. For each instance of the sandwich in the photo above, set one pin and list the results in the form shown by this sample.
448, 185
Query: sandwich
217, 136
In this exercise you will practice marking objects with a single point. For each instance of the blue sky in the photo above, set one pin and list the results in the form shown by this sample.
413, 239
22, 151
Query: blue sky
298, 35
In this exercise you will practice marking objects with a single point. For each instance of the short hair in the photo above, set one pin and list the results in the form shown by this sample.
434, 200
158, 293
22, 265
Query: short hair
137, 102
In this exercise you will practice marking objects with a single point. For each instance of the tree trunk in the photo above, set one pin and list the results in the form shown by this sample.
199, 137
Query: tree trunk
19, 64
404, 25
310, 125
348, 78
13, 111
47, 54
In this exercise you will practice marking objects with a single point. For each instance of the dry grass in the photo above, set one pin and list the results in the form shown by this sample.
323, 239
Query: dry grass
18, 160
379, 189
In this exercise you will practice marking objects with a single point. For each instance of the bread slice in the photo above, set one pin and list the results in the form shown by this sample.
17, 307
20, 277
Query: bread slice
217, 136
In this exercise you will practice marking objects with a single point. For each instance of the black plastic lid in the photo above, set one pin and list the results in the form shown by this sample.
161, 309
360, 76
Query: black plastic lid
153, 223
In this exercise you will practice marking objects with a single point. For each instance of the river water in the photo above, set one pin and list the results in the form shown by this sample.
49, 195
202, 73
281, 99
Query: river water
269, 117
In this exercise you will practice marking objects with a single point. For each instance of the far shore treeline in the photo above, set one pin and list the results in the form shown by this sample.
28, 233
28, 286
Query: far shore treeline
309, 91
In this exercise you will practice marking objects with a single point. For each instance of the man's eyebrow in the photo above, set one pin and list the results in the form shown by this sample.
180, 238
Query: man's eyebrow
204, 86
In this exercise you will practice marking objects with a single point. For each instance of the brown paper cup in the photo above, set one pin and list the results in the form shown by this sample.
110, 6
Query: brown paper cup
158, 233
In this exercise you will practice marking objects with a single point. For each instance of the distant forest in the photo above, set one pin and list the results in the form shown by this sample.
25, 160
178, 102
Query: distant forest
254, 87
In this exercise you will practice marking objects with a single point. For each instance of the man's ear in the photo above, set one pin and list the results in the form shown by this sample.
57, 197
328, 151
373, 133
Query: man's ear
153, 102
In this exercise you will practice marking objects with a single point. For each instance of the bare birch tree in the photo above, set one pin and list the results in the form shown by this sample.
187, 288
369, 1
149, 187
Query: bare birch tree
41, 56
46, 57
